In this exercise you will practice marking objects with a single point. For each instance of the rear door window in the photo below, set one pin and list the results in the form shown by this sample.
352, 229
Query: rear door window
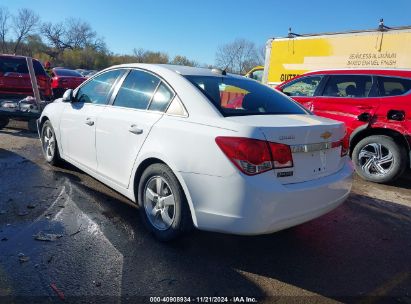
348, 86
303, 86
137, 90
392, 86
98, 88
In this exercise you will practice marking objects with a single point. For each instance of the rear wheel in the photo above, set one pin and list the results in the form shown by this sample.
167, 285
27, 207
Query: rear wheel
4, 121
379, 159
164, 208
49, 144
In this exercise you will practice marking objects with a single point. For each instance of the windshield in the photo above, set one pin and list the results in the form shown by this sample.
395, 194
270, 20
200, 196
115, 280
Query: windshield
237, 96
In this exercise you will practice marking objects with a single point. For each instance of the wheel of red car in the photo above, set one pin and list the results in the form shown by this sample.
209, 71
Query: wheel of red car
4, 121
379, 159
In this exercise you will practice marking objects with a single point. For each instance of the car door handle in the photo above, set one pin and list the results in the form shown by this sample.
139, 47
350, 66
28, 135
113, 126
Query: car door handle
89, 122
135, 129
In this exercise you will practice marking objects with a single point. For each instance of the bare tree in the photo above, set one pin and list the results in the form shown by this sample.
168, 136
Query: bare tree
183, 60
144, 56
55, 34
24, 24
80, 33
237, 57
139, 55
4, 27
261, 54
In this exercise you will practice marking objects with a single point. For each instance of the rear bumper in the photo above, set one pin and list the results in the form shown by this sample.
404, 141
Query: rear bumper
259, 204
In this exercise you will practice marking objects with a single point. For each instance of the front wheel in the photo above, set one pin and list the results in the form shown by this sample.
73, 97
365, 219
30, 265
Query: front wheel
164, 208
379, 159
49, 144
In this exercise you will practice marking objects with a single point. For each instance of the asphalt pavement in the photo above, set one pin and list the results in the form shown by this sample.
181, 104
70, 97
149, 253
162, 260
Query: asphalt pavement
66, 237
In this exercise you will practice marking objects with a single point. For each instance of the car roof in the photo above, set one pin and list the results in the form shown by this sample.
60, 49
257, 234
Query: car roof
179, 69
382, 72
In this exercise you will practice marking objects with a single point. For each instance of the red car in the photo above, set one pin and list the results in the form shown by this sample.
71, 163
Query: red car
376, 108
63, 79
15, 78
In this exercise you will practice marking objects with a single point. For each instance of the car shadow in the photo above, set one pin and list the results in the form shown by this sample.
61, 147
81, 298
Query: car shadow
18, 128
353, 253
359, 251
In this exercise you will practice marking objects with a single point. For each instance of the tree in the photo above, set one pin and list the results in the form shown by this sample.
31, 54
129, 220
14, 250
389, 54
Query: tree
183, 60
145, 56
4, 28
238, 56
80, 33
24, 24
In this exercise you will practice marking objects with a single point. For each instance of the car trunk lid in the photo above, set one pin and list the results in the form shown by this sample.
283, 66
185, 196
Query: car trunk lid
311, 141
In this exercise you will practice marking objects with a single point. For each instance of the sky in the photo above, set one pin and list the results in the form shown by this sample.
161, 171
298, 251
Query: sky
197, 28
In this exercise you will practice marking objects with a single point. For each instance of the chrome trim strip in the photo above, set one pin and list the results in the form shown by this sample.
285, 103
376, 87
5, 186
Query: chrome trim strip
310, 147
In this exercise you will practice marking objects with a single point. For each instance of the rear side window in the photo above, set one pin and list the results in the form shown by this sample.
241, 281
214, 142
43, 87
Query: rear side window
302, 87
137, 90
391, 86
241, 96
348, 86
161, 98
97, 89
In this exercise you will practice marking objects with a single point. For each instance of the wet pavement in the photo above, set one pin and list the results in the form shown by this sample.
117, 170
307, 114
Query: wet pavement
65, 236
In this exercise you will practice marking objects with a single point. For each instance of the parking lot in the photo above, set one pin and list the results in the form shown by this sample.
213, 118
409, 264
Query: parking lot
65, 235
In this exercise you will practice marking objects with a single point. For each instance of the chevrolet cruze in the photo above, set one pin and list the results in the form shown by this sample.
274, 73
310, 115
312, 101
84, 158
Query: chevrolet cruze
170, 139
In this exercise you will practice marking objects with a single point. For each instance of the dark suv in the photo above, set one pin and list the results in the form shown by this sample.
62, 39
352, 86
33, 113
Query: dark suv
376, 108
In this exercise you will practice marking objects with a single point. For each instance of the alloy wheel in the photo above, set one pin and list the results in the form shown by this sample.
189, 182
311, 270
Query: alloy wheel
49, 143
376, 159
159, 203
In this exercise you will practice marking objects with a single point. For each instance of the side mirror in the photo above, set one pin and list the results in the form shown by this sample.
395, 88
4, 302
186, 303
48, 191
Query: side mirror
68, 96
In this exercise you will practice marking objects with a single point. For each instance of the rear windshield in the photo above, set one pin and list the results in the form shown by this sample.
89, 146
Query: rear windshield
65, 72
19, 65
237, 96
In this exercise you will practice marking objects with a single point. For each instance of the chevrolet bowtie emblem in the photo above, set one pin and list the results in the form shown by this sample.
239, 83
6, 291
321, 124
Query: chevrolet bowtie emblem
326, 135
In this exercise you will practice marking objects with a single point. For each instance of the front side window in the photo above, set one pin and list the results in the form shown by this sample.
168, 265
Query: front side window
97, 89
348, 86
391, 86
302, 87
241, 96
137, 90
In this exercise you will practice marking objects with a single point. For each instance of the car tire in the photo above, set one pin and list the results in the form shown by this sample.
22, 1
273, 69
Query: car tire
4, 121
32, 125
49, 144
163, 205
379, 159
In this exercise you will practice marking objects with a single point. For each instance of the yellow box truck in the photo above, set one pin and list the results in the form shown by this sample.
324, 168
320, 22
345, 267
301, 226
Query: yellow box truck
288, 57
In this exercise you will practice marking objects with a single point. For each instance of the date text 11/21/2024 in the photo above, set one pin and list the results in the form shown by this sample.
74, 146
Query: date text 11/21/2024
238, 299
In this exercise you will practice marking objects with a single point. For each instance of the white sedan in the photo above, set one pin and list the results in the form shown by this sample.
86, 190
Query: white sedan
198, 147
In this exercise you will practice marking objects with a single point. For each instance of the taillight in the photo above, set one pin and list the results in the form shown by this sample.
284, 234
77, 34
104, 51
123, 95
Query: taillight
253, 156
282, 157
344, 144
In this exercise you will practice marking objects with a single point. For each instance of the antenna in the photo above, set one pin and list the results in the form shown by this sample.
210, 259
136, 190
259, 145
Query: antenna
382, 27
291, 34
